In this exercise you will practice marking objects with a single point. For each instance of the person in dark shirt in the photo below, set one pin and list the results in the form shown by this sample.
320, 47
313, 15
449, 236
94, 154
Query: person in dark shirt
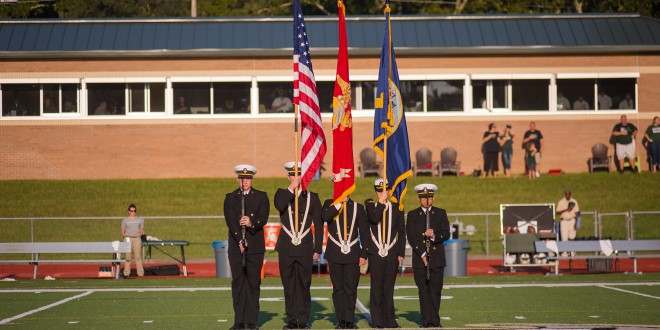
624, 133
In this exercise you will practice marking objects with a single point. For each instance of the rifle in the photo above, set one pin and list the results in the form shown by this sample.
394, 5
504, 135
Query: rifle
428, 246
243, 242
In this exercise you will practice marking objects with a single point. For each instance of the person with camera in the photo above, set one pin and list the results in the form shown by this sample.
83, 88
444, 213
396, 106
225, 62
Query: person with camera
506, 144
491, 149
132, 229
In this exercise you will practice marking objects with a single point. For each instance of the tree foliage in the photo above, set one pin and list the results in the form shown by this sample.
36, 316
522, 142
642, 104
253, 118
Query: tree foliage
267, 8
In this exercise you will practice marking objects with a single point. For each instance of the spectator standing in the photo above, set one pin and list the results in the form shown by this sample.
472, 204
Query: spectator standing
182, 107
246, 212
652, 134
604, 101
281, 103
49, 107
624, 134
568, 211
102, 109
132, 229
491, 149
562, 102
530, 160
506, 143
627, 103
580, 104
534, 136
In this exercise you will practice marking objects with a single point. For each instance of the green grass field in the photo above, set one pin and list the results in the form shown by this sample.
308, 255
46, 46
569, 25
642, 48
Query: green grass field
474, 302
204, 197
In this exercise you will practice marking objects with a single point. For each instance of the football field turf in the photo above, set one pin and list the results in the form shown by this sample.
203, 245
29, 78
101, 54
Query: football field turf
493, 302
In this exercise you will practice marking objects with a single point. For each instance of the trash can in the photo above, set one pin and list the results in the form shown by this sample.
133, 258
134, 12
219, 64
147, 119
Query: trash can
456, 256
222, 269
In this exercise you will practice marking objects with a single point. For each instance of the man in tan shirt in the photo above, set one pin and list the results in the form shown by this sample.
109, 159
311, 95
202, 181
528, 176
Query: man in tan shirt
567, 209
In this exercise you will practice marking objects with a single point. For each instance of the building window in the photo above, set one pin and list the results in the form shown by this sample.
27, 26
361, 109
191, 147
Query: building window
191, 98
617, 93
136, 97
368, 96
530, 94
59, 98
156, 92
445, 95
20, 100
275, 97
576, 94
106, 99
490, 94
231, 97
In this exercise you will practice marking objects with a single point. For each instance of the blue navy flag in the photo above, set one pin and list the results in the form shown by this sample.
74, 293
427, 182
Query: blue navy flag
390, 120
305, 97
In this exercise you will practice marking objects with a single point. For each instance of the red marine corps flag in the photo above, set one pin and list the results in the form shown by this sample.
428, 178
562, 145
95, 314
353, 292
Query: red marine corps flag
343, 169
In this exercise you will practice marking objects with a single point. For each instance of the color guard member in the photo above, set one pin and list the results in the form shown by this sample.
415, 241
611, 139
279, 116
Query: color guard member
246, 212
347, 223
297, 247
427, 228
385, 248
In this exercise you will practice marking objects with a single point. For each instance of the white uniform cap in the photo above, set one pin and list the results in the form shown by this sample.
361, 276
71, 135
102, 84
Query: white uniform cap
245, 171
378, 184
426, 189
290, 167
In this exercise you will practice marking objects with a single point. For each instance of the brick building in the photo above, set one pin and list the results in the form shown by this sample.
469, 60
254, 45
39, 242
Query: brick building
168, 98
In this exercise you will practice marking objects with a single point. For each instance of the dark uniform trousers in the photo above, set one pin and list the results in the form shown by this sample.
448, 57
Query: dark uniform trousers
245, 286
384, 269
246, 281
344, 268
296, 261
345, 279
381, 298
431, 291
296, 274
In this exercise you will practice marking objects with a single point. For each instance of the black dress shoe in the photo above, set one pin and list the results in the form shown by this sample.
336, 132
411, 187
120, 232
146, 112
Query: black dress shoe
340, 325
304, 326
351, 325
290, 325
236, 326
251, 326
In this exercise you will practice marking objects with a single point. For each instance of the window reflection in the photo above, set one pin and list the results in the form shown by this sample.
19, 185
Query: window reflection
445, 95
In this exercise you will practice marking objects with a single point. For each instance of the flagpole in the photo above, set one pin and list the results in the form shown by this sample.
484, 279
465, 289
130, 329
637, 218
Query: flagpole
295, 167
386, 125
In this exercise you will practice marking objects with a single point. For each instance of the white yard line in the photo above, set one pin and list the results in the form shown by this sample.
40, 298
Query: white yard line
7, 320
365, 312
628, 291
328, 287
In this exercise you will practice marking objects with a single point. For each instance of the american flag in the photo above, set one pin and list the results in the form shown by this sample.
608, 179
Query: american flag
306, 97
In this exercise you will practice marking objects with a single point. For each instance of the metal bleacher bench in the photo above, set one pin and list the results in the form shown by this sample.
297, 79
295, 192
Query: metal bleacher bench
601, 249
115, 249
